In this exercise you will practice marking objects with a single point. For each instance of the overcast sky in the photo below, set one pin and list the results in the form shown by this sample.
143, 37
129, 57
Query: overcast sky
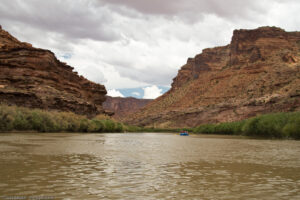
138, 43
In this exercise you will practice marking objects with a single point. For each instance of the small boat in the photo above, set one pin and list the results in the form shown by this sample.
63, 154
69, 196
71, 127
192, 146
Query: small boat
185, 133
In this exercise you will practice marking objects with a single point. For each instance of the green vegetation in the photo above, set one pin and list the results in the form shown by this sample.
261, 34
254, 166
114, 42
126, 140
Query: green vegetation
14, 118
276, 125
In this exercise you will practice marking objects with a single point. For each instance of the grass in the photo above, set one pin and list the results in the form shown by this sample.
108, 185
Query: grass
13, 118
274, 125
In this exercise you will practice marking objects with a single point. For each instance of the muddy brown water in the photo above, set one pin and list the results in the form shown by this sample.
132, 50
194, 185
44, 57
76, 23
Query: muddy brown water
147, 166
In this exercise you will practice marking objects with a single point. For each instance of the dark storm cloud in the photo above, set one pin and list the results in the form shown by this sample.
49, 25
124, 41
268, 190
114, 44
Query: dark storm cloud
73, 19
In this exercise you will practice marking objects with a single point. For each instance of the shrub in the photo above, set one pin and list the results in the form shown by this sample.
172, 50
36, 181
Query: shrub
84, 124
24, 119
119, 127
6, 119
228, 128
130, 128
292, 130
274, 125
94, 126
250, 127
109, 126
292, 127
206, 128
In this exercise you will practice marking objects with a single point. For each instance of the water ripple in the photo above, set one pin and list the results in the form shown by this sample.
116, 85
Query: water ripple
149, 167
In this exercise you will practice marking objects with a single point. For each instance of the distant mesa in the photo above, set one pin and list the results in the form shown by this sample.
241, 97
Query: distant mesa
35, 78
257, 73
122, 107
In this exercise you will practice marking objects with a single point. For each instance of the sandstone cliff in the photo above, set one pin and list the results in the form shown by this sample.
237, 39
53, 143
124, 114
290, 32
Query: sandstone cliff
122, 107
34, 78
258, 72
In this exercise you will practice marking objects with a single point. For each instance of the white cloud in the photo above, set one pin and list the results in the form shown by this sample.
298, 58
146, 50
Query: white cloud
152, 92
134, 43
114, 93
136, 93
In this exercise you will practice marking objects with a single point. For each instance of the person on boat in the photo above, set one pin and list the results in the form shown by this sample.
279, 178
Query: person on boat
184, 133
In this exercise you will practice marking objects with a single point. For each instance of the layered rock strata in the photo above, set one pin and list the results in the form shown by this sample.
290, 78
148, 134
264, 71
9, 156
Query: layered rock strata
122, 107
35, 78
257, 73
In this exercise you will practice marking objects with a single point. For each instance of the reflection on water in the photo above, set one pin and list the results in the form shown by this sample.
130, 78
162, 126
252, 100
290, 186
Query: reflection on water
147, 166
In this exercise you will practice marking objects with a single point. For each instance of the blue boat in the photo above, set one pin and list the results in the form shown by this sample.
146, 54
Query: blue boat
185, 133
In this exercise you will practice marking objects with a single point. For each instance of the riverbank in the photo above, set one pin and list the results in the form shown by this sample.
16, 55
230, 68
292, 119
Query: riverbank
13, 118
274, 125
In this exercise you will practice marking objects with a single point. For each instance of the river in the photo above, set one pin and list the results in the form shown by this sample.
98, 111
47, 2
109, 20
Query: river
147, 166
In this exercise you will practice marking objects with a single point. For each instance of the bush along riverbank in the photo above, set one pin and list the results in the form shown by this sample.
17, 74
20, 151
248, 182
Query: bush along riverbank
275, 125
13, 118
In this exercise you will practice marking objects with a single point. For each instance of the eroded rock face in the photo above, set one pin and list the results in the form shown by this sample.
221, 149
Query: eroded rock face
122, 107
34, 78
258, 72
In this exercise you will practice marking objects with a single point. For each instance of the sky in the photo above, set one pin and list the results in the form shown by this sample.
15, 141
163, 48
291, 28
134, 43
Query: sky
136, 47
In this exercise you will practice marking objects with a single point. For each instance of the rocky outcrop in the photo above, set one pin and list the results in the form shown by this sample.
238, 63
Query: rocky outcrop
257, 73
122, 107
34, 78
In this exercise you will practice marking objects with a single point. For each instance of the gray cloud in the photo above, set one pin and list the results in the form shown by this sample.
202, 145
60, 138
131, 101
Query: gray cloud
195, 9
73, 19
158, 75
134, 43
